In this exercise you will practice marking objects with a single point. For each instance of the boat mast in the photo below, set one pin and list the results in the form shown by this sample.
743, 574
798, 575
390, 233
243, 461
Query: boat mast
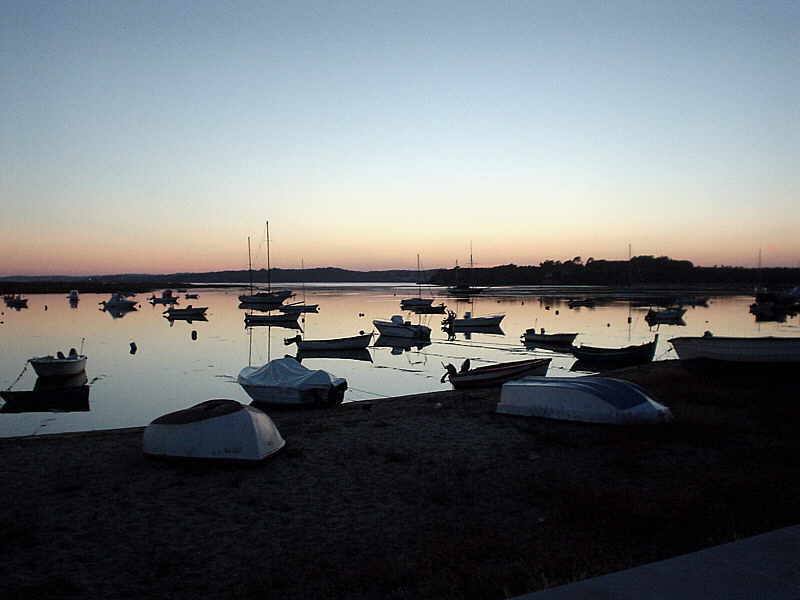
250, 265
269, 270
419, 280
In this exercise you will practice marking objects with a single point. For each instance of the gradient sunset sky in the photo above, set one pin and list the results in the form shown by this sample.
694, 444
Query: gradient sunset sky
156, 136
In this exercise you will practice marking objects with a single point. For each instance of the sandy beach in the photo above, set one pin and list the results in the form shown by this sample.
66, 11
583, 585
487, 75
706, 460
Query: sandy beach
427, 496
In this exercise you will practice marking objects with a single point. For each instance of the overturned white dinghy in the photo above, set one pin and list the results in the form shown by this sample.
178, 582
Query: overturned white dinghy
587, 399
286, 381
217, 429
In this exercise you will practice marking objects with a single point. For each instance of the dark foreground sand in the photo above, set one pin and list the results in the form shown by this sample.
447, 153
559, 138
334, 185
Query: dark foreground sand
431, 496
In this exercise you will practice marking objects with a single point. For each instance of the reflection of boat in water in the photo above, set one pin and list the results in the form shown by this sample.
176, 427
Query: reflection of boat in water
62, 394
59, 365
398, 327
607, 357
286, 381
117, 312
214, 429
760, 350
187, 319
400, 344
188, 312
470, 329
356, 342
362, 354
494, 375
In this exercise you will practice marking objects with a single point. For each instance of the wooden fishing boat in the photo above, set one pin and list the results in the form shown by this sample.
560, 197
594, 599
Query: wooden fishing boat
551, 339
494, 375
356, 342
628, 355
761, 350
214, 429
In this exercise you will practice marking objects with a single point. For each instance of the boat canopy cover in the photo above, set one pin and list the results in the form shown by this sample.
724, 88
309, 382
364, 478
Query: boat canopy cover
588, 399
287, 373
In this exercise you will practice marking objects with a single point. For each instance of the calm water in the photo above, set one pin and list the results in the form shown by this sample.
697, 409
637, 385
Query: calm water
171, 370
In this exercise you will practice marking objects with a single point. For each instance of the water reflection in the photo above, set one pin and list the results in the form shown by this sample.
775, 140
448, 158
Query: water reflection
50, 394
400, 345
117, 312
362, 355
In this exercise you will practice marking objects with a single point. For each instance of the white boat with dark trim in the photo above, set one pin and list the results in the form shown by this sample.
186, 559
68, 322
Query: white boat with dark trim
59, 365
356, 342
585, 399
215, 429
286, 381
399, 327
761, 350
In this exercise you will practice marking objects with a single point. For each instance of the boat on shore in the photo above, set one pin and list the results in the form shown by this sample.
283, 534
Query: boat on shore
214, 429
59, 365
286, 381
584, 399
629, 355
494, 375
398, 327
757, 350
551, 339
356, 342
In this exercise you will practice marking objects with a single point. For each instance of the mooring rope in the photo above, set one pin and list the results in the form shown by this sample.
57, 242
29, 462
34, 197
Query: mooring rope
25, 368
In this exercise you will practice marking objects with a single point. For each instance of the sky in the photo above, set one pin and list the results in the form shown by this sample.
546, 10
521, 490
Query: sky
156, 136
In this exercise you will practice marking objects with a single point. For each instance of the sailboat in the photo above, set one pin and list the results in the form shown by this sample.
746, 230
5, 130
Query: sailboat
263, 297
301, 306
460, 289
419, 301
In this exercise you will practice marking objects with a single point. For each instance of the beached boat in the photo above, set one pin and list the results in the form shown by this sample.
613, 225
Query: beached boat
286, 381
761, 350
551, 339
356, 342
189, 311
629, 355
469, 321
214, 429
587, 302
59, 365
494, 375
585, 399
398, 327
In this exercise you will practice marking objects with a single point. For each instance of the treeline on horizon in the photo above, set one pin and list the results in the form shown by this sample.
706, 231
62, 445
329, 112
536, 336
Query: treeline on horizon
638, 271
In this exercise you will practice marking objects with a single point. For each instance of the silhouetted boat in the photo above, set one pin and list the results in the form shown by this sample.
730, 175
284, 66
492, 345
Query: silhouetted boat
191, 296
552, 339
189, 311
439, 309
269, 296
298, 307
587, 302
214, 429
469, 321
276, 319
118, 302
167, 297
495, 375
16, 301
666, 316
761, 350
628, 355
419, 301
356, 342
73, 296
398, 327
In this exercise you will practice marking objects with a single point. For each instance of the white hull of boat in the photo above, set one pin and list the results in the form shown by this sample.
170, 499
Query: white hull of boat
358, 342
50, 366
247, 434
738, 349
585, 399
402, 330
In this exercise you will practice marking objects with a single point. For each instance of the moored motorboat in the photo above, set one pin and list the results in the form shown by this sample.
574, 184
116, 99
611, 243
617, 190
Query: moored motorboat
299, 307
59, 365
578, 302
761, 350
666, 316
286, 381
585, 399
494, 375
189, 311
270, 319
119, 302
398, 327
629, 355
214, 429
167, 297
356, 342
552, 339
15, 301
469, 321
